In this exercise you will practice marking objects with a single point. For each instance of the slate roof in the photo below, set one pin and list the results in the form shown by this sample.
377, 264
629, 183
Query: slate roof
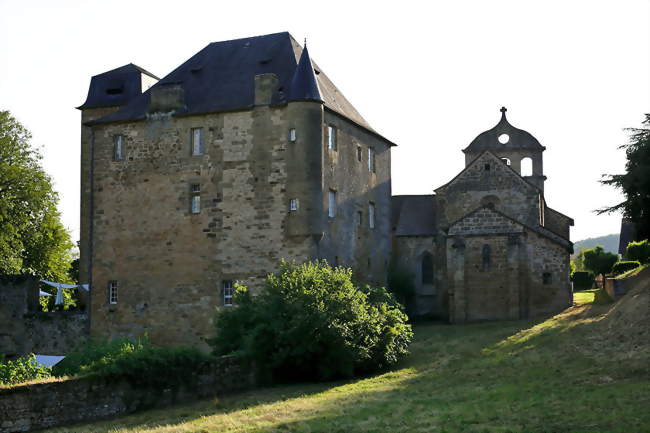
220, 78
414, 215
115, 87
518, 138
304, 86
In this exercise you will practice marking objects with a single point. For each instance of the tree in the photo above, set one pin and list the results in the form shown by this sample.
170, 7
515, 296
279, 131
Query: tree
635, 183
598, 261
638, 251
32, 238
311, 322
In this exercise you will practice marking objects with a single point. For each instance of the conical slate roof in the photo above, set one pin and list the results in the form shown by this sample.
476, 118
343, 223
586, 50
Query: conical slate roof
516, 138
304, 86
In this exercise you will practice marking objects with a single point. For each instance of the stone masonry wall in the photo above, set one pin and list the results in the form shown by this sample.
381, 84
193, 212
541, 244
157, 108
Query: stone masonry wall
43, 405
408, 253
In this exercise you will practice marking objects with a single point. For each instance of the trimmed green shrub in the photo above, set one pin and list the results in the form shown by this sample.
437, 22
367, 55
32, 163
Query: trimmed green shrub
622, 267
638, 251
21, 370
92, 350
582, 280
310, 322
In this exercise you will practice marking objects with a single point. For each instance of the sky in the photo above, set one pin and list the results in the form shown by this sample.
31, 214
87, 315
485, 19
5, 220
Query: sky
429, 76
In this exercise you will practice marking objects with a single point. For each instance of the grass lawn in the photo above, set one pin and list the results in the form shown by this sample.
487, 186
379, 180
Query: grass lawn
565, 374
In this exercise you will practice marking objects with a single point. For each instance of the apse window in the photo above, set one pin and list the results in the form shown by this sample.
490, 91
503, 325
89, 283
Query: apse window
504, 138
292, 135
228, 292
197, 141
118, 147
547, 278
112, 292
526, 167
331, 137
195, 198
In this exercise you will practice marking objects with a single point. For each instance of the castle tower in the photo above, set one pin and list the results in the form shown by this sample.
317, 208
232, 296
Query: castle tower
518, 148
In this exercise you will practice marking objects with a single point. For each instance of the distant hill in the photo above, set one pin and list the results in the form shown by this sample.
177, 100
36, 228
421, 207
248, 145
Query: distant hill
608, 242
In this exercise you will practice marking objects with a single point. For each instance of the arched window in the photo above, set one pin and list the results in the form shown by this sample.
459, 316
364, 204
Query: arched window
526, 167
486, 257
427, 268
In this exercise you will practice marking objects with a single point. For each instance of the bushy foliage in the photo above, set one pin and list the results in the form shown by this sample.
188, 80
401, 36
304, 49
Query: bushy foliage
139, 362
582, 280
311, 322
22, 370
638, 251
625, 266
598, 261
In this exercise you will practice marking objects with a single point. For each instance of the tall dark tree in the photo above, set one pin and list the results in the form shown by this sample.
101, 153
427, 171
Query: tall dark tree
635, 183
32, 238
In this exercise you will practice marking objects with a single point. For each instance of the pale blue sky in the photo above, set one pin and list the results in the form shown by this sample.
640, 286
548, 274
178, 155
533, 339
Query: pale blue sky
428, 75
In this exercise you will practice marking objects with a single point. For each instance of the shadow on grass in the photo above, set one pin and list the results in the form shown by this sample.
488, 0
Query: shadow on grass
530, 376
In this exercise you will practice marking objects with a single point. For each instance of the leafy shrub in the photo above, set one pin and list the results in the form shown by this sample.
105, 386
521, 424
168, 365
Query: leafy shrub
599, 261
139, 362
311, 322
621, 267
582, 280
21, 370
639, 251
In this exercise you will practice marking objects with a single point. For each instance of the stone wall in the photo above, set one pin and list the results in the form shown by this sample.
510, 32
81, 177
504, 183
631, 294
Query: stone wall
24, 329
43, 405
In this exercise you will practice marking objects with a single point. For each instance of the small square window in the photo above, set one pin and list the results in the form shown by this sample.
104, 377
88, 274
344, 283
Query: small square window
331, 137
293, 204
292, 135
371, 215
487, 167
195, 198
228, 292
112, 292
118, 147
331, 210
197, 141
359, 153
371, 160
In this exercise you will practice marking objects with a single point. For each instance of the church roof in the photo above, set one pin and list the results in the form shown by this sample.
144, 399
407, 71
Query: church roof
414, 215
220, 78
115, 87
516, 138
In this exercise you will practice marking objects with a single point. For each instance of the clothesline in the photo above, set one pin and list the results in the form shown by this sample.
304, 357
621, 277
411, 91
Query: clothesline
60, 287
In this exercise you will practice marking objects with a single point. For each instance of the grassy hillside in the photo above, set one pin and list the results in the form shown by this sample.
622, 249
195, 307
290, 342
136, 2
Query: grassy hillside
585, 370
608, 242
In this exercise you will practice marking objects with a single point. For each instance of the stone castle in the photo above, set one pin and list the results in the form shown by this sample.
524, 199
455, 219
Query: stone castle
247, 154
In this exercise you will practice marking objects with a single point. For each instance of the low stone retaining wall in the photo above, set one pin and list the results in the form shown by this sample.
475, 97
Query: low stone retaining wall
618, 287
43, 405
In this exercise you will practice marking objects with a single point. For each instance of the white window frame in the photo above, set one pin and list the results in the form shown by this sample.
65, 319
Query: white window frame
118, 147
371, 215
195, 198
294, 204
197, 145
331, 137
228, 292
112, 292
292, 135
331, 203
371, 160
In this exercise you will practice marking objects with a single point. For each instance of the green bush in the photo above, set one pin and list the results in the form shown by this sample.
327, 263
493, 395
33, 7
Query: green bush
21, 370
582, 280
139, 362
622, 267
311, 322
639, 251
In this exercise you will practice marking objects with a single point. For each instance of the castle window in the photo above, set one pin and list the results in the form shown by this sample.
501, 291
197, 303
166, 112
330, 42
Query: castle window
526, 167
331, 199
293, 204
486, 257
487, 167
371, 160
292, 135
359, 153
427, 268
197, 141
359, 218
118, 147
112, 292
331, 137
547, 278
195, 198
228, 292
506, 160
371, 215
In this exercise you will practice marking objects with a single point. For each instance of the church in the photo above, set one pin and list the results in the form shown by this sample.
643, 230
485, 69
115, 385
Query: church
247, 154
